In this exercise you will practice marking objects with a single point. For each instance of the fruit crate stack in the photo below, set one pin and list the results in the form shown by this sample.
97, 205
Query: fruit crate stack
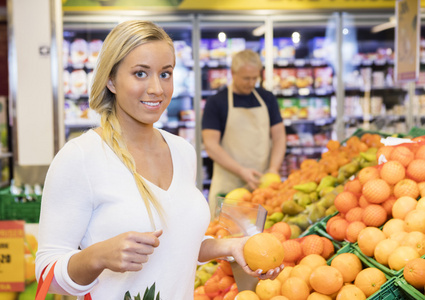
19, 206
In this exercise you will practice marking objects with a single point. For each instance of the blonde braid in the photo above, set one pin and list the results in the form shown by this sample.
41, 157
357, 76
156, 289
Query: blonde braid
112, 136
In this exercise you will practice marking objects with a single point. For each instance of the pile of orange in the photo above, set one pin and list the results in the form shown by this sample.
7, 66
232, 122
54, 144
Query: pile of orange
221, 285
379, 193
338, 155
313, 278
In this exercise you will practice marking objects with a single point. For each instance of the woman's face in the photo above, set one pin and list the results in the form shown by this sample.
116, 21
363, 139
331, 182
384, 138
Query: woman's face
143, 84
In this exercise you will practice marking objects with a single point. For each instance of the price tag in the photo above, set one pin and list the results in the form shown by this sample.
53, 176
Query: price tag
12, 277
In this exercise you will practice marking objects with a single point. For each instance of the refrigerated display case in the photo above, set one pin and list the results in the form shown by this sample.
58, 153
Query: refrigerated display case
82, 42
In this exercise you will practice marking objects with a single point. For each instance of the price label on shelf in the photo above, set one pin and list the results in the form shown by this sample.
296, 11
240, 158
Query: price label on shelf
12, 277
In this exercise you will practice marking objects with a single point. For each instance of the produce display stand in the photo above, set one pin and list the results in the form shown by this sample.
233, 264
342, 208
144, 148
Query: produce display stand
19, 206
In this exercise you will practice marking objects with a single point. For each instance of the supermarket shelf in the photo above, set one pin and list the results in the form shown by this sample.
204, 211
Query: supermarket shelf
317, 122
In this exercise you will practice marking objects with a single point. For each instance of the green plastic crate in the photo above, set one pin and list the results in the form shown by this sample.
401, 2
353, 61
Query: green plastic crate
388, 291
385, 269
11, 208
416, 131
408, 290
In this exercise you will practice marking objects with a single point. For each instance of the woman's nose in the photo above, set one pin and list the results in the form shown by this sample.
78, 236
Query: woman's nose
155, 86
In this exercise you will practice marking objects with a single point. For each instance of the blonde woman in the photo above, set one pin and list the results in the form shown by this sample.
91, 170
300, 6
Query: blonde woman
120, 207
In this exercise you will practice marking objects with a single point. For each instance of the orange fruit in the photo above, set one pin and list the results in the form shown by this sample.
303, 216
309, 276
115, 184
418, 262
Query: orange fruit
313, 261
400, 256
363, 201
421, 186
385, 151
383, 250
420, 152
326, 280
388, 205
392, 171
416, 240
280, 236
415, 170
374, 215
302, 271
332, 219
402, 206
376, 190
226, 268
201, 297
284, 274
231, 295
353, 230
368, 238
266, 289
399, 236
367, 174
350, 292
406, 187
295, 288
348, 264
225, 283
328, 248
402, 154
333, 145
421, 203
263, 251
312, 244
282, 227
247, 295
211, 287
280, 297
292, 250
392, 226
354, 214
414, 272
354, 186
337, 229
30, 244
370, 280
345, 201
415, 220
318, 296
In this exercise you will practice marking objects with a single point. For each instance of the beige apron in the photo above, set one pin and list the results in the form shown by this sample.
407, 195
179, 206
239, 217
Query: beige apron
247, 140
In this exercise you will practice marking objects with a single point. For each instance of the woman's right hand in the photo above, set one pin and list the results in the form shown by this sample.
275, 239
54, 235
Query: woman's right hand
128, 251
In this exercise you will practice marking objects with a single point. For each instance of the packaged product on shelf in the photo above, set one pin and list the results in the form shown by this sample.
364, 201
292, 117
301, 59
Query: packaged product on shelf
286, 49
235, 45
292, 140
78, 83
94, 50
378, 79
79, 53
319, 107
306, 139
263, 49
276, 81
204, 54
303, 108
323, 79
321, 139
304, 78
288, 77
218, 51
65, 53
89, 82
288, 107
72, 111
218, 78
317, 48
376, 106
66, 78
183, 52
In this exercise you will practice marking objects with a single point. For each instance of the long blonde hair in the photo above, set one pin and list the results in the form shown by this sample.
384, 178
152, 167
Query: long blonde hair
124, 38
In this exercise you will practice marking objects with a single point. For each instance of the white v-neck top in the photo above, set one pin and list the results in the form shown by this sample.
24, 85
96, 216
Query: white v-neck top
90, 196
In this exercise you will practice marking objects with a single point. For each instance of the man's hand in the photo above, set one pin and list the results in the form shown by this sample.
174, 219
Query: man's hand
251, 177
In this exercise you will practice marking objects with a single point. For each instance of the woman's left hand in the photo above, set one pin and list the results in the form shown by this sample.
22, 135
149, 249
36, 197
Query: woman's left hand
237, 253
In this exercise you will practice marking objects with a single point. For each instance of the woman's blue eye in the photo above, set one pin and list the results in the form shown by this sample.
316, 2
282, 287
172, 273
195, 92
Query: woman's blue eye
140, 74
166, 75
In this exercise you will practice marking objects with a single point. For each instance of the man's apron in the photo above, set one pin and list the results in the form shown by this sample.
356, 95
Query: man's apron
246, 139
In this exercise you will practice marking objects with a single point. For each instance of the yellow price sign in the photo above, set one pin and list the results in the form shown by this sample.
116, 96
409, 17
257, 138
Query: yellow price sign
12, 277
